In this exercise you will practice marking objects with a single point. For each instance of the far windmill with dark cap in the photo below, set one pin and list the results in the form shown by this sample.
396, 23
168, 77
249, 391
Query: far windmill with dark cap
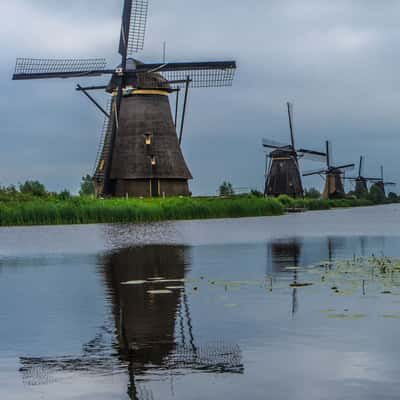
140, 153
283, 171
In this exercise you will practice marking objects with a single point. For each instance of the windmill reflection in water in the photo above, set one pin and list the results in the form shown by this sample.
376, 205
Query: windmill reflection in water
149, 330
289, 256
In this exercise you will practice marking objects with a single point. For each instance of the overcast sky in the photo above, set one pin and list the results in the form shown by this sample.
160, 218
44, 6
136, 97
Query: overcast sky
336, 60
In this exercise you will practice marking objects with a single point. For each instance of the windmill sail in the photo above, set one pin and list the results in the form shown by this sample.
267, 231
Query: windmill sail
290, 114
200, 74
273, 144
133, 29
35, 68
104, 148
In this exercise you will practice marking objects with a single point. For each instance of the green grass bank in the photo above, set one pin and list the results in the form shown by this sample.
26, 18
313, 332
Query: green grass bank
86, 210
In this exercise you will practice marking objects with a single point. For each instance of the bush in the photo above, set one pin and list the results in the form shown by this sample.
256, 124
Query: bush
312, 193
256, 193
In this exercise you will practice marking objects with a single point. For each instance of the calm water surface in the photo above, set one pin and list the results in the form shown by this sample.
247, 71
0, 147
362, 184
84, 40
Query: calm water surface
259, 308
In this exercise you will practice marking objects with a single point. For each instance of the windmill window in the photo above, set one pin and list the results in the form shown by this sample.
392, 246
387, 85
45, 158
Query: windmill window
153, 161
148, 138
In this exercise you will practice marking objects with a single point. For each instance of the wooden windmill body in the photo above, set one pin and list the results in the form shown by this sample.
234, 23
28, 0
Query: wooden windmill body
283, 171
147, 156
140, 153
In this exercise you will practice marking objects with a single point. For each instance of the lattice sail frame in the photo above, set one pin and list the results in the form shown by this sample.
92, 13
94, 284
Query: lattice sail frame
137, 29
134, 23
26, 66
201, 78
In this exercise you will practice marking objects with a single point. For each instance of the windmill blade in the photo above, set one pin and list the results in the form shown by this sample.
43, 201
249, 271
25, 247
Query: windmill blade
312, 155
133, 29
315, 172
201, 74
273, 144
361, 167
346, 167
104, 145
290, 114
329, 158
34, 68
373, 179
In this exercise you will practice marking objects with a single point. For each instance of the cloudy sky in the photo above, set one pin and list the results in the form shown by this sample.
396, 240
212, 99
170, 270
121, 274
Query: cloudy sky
336, 60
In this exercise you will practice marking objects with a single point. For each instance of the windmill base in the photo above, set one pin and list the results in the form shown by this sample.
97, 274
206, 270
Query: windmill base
152, 188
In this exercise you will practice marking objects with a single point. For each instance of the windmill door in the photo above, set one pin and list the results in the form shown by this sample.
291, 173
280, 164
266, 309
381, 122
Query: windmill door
155, 188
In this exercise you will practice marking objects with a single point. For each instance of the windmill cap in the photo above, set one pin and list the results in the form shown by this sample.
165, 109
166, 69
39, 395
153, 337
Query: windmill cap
143, 80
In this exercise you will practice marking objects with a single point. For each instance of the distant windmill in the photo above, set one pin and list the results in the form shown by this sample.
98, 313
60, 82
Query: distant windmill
361, 181
381, 184
140, 153
333, 176
282, 169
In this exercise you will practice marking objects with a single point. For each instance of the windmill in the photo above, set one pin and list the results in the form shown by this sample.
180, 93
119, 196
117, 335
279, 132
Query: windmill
140, 153
381, 184
333, 182
360, 180
282, 169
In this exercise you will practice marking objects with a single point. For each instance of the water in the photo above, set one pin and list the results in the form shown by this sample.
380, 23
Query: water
202, 309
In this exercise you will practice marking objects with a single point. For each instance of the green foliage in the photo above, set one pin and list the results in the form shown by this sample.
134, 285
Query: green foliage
87, 186
23, 209
393, 198
256, 193
34, 188
65, 195
79, 210
226, 190
312, 193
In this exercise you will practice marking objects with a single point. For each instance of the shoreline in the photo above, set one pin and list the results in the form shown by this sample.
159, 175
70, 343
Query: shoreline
87, 211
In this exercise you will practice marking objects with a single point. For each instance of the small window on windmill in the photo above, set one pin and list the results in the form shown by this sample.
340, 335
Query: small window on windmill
153, 161
148, 138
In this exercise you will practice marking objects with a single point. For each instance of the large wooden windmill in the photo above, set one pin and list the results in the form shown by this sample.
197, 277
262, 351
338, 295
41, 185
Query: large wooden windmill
333, 176
282, 170
140, 154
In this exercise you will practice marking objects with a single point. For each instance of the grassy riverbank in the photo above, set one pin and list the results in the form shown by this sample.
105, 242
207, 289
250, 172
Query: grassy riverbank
86, 210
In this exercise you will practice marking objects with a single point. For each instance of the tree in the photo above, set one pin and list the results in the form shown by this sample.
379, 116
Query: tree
256, 193
34, 188
87, 186
393, 198
376, 194
65, 195
312, 193
226, 189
